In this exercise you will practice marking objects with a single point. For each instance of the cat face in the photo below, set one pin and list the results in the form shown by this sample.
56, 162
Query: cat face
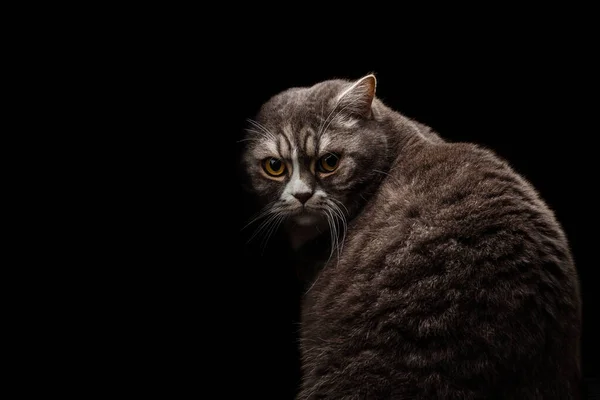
313, 152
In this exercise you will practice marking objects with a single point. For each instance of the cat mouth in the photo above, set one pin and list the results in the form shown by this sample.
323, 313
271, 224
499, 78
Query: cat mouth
304, 210
306, 216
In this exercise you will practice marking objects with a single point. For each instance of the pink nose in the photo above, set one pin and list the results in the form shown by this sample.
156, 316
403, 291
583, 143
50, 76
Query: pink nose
303, 196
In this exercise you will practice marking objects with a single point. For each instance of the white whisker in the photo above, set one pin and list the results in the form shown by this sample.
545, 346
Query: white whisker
249, 140
330, 223
344, 224
273, 229
262, 137
263, 226
261, 214
269, 229
331, 234
267, 133
386, 174
326, 120
335, 115
334, 233
340, 203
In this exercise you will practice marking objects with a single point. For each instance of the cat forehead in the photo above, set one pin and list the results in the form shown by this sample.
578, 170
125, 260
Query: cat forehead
302, 120
305, 103
288, 141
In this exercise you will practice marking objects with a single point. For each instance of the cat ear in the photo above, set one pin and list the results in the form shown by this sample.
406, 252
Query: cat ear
358, 98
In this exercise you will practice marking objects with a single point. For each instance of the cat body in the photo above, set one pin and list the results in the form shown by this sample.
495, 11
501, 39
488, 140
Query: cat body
446, 275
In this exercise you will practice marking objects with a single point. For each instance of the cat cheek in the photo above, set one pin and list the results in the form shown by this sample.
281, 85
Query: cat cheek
265, 188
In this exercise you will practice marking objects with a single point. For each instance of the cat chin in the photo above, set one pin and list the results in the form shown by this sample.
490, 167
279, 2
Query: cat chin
306, 219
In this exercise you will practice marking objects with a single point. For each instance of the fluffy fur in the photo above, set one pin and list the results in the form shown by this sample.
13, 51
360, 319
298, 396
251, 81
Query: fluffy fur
449, 277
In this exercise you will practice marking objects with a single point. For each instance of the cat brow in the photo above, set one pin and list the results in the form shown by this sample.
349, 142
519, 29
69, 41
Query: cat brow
288, 132
284, 151
309, 135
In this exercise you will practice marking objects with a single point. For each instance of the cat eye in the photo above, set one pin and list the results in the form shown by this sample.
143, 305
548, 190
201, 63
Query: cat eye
273, 166
328, 163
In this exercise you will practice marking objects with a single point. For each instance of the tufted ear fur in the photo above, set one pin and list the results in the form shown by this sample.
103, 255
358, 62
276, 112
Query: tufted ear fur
358, 98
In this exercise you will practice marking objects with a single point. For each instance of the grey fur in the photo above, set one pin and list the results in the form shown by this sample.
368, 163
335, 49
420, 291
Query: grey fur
454, 281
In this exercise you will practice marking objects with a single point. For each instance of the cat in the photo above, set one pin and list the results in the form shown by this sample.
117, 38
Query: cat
435, 271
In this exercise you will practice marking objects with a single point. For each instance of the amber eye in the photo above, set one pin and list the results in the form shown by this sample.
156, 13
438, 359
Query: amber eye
274, 166
328, 163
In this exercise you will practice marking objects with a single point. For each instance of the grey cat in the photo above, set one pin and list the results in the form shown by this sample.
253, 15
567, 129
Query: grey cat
435, 270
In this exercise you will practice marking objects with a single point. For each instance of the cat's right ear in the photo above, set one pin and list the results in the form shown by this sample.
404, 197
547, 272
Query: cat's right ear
358, 98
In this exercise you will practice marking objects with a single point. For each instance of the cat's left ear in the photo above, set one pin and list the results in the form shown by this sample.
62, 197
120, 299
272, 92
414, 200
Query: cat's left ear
358, 98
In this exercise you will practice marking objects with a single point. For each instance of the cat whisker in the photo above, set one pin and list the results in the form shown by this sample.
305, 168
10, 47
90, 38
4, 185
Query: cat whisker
262, 226
338, 212
381, 172
343, 228
340, 203
334, 239
262, 137
329, 219
274, 226
271, 216
268, 230
326, 121
334, 233
262, 128
336, 114
332, 118
387, 174
249, 140
261, 214
258, 132
331, 234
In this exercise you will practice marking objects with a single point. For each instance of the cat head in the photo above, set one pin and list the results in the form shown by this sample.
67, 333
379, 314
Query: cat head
314, 153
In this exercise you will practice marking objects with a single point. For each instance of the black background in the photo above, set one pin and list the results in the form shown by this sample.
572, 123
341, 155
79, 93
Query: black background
209, 303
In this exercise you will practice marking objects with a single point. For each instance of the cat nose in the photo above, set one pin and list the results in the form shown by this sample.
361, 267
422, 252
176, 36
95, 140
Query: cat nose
303, 196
